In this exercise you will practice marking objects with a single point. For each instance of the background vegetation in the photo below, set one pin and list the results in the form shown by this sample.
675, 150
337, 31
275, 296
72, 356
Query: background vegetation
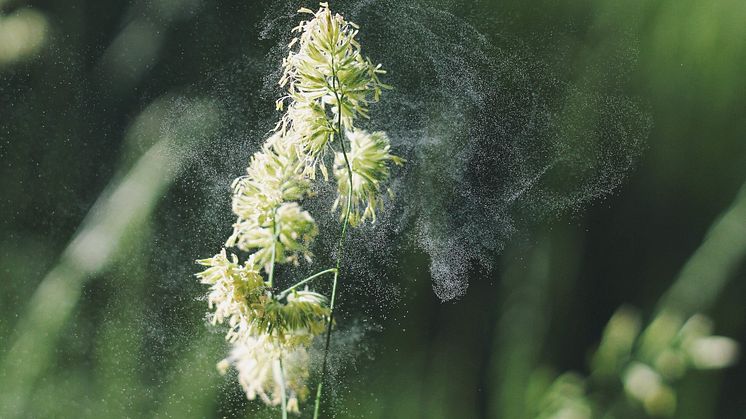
107, 109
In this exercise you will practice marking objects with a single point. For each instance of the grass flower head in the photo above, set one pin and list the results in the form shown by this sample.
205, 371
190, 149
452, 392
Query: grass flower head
329, 85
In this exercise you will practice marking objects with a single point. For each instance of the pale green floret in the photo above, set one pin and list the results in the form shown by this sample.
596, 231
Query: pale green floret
239, 294
266, 368
307, 127
369, 158
328, 66
565, 399
295, 231
267, 217
650, 363
271, 179
702, 349
234, 290
289, 230
297, 321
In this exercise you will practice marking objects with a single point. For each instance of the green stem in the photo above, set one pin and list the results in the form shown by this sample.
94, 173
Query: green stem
270, 281
283, 396
274, 246
340, 244
309, 279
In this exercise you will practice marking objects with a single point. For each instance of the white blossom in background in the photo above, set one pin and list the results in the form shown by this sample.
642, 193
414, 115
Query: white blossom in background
646, 385
647, 363
702, 349
670, 346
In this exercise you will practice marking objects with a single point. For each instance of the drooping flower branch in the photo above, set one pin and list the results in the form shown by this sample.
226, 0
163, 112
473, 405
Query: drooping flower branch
330, 86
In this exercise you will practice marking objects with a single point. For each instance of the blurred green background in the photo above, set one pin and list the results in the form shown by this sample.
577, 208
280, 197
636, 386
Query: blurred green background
106, 107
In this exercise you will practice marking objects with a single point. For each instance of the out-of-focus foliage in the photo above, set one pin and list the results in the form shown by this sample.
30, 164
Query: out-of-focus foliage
109, 108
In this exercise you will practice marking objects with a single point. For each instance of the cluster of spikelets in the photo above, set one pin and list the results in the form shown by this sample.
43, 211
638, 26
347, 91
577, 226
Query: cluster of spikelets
645, 364
329, 85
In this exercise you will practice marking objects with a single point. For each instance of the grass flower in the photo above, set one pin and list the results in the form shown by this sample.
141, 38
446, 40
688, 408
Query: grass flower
234, 290
369, 158
646, 385
267, 369
286, 234
648, 363
310, 130
328, 67
298, 320
329, 85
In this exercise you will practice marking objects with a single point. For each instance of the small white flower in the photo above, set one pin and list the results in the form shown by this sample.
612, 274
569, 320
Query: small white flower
272, 178
307, 297
328, 66
712, 352
369, 159
647, 386
307, 126
703, 350
234, 290
289, 229
257, 361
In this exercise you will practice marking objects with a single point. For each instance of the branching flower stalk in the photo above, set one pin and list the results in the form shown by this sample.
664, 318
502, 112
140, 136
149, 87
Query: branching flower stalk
329, 88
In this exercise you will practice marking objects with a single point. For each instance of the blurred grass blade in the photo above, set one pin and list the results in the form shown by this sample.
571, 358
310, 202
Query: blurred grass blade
520, 330
192, 384
716, 260
123, 206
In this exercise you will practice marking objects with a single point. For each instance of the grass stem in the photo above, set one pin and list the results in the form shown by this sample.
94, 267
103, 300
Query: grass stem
340, 245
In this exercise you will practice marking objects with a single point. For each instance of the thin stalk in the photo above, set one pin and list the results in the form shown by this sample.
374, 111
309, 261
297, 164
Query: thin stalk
340, 244
270, 280
274, 246
309, 279
283, 396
